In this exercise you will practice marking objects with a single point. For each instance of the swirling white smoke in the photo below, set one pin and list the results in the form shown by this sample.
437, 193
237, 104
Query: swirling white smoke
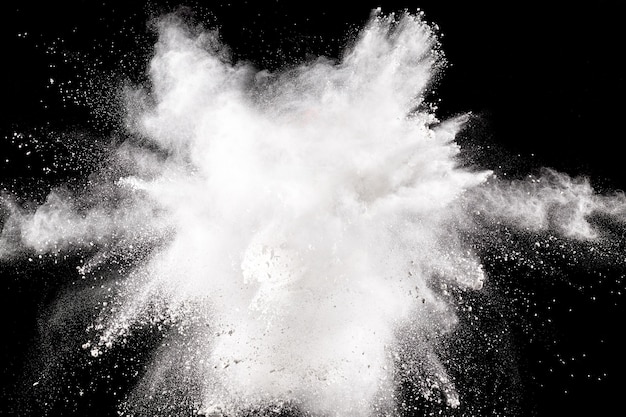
298, 227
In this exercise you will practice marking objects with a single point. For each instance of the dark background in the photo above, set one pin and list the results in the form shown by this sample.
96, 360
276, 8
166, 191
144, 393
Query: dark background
545, 81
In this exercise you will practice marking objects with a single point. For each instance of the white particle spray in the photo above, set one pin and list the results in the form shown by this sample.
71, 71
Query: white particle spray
301, 229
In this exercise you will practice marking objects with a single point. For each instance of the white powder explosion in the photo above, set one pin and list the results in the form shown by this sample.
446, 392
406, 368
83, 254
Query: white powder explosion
297, 229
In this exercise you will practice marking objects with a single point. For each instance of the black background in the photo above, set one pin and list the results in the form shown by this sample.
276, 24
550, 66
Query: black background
546, 82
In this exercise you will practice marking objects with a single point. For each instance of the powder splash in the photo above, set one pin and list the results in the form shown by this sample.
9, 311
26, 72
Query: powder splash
297, 233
